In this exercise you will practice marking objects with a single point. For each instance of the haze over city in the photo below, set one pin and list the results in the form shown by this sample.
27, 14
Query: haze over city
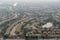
29, 19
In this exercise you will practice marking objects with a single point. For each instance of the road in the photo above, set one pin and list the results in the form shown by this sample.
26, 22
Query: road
13, 26
6, 20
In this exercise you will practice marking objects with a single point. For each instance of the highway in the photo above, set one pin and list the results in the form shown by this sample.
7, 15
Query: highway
13, 26
6, 20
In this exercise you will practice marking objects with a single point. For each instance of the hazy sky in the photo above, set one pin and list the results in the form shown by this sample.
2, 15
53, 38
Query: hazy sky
33, 0
38, 0
42, 0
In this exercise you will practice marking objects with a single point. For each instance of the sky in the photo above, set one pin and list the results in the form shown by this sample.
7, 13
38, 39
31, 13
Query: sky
34, 0
41, 0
